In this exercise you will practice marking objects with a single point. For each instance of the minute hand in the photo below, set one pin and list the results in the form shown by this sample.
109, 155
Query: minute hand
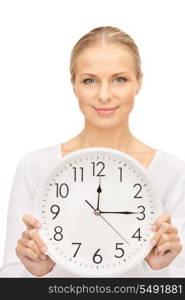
119, 212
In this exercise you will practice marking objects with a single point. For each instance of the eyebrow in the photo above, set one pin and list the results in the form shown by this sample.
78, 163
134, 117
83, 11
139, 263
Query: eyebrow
96, 75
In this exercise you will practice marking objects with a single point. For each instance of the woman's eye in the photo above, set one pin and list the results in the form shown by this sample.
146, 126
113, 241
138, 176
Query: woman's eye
122, 79
87, 80
90, 80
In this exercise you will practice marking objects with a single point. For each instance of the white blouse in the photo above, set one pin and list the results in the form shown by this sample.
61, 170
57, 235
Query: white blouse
166, 172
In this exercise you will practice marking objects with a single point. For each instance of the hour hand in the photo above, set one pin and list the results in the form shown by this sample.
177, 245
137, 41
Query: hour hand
99, 190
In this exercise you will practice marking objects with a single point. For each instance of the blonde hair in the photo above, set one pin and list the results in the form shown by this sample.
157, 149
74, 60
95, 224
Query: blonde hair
106, 34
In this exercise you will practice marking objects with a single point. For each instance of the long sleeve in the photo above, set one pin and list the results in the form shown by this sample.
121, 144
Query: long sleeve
20, 203
22, 195
176, 207
174, 203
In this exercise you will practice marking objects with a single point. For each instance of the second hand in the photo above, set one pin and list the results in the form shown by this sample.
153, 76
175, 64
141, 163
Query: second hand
108, 223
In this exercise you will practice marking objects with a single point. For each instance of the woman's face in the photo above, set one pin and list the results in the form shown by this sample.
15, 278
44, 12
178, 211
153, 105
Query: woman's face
97, 85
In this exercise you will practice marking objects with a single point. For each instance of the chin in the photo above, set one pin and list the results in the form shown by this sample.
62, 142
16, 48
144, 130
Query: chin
104, 123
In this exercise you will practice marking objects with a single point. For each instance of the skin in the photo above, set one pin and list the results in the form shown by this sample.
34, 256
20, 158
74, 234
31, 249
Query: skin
104, 90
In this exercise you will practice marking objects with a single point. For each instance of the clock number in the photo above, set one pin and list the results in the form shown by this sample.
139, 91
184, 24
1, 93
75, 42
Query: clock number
121, 249
79, 244
82, 169
65, 192
97, 258
58, 236
103, 166
55, 209
141, 212
121, 173
140, 188
137, 234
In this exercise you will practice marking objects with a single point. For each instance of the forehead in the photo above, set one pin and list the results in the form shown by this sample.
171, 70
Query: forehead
107, 59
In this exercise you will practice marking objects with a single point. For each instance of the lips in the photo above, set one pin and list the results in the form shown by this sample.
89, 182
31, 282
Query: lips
106, 109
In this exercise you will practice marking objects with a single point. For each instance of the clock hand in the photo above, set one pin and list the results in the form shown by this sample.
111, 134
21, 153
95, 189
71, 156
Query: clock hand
90, 204
99, 190
115, 230
107, 222
119, 212
113, 212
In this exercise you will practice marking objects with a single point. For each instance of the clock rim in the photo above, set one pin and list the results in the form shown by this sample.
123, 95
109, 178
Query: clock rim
63, 161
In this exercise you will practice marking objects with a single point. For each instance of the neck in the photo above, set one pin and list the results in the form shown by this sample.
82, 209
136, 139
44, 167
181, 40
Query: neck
119, 137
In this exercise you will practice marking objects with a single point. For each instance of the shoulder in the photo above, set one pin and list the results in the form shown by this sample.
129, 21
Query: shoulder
37, 163
42, 155
171, 162
167, 172
171, 182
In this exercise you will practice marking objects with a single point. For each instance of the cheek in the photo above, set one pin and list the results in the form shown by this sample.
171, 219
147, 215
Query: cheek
85, 101
86, 108
127, 97
127, 100
128, 93
127, 104
84, 96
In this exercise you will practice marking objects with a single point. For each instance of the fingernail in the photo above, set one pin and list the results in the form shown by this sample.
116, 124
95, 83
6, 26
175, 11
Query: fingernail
153, 242
38, 225
44, 250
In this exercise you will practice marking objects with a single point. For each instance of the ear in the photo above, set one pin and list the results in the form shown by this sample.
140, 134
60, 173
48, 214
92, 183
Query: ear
139, 83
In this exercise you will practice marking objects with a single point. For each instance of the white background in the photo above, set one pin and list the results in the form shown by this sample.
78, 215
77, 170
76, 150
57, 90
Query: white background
37, 105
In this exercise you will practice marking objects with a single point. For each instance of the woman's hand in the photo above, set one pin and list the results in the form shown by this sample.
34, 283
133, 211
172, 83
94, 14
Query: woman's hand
165, 241
32, 251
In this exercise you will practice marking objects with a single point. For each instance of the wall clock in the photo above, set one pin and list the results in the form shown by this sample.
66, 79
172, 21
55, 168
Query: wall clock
97, 207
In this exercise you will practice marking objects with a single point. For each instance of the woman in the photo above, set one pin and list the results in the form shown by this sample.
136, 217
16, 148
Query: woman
106, 75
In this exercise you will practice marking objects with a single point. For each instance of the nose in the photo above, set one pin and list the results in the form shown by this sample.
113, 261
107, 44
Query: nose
104, 92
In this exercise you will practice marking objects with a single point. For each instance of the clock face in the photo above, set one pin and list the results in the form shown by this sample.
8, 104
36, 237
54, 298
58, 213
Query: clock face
97, 207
